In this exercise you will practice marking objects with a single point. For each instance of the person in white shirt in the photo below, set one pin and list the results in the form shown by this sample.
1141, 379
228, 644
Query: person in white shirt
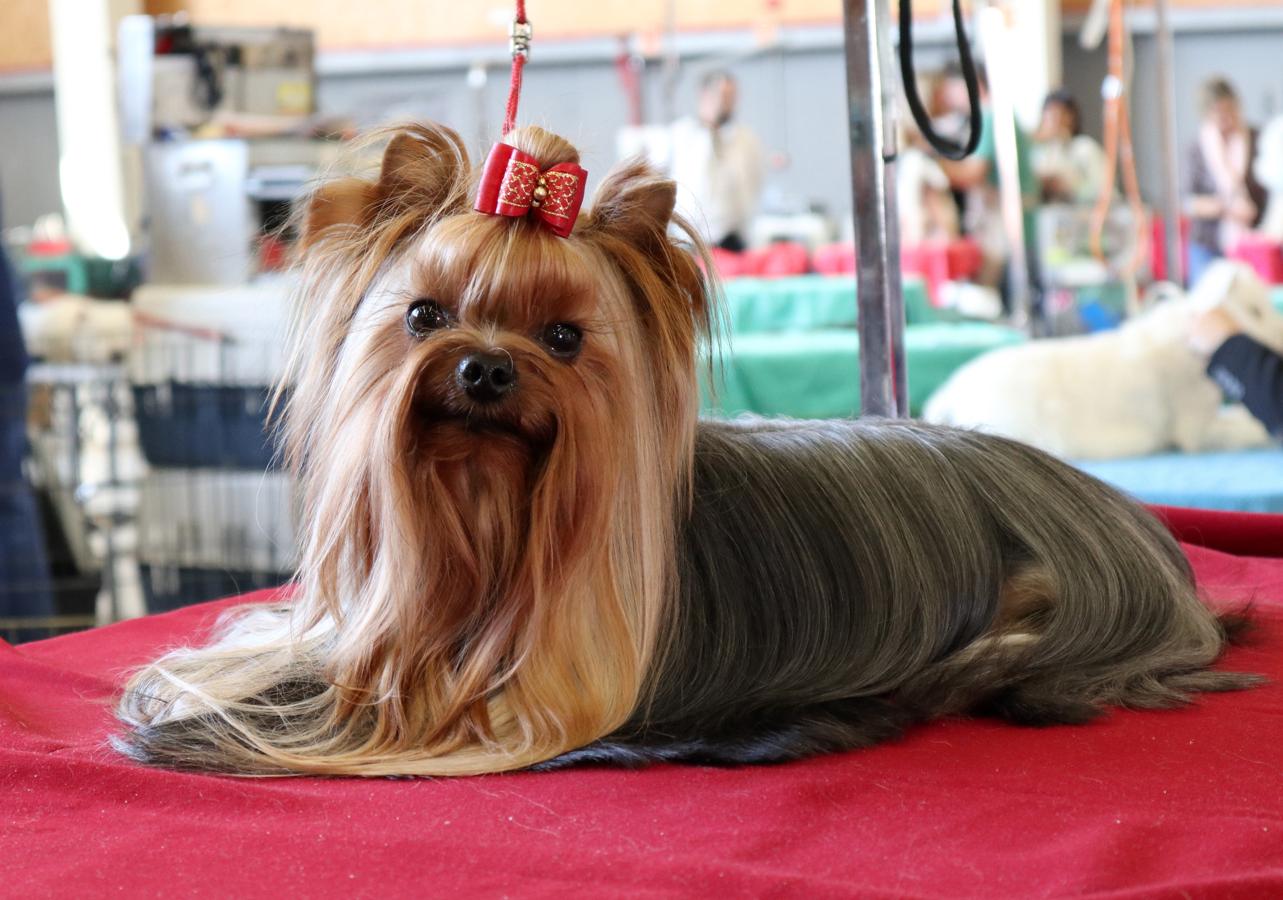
717, 165
927, 210
1268, 168
1069, 164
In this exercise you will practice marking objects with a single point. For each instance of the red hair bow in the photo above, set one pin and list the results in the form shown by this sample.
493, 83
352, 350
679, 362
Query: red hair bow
512, 184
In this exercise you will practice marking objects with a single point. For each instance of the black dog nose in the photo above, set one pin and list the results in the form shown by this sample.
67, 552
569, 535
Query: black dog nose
486, 377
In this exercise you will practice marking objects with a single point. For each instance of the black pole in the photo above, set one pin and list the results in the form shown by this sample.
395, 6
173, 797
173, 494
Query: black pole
870, 98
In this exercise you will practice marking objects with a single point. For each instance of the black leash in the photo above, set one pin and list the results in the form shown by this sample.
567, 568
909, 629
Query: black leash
946, 147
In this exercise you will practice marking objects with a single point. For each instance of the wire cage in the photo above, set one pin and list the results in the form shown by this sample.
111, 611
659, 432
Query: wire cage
217, 516
211, 533
156, 481
1082, 292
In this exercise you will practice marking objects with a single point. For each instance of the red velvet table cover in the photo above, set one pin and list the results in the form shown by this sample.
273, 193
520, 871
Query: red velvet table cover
1183, 803
1243, 534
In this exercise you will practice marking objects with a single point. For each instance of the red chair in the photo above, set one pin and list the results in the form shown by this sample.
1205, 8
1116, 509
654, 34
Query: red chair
1264, 254
779, 260
729, 264
965, 259
834, 259
1158, 254
929, 260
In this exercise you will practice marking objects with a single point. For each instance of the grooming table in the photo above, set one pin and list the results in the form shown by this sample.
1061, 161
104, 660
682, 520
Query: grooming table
815, 375
792, 348
1171, 803
807, 303
1244, 481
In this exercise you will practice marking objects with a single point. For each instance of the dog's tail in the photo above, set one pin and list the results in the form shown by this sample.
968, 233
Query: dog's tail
1099, 605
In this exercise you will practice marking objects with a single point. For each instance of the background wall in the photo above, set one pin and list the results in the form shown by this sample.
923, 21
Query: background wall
25, 44
795, 99
343, 25
796, 103
28, 155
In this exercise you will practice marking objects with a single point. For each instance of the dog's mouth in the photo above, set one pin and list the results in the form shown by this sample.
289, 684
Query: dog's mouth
481, 425
481, 422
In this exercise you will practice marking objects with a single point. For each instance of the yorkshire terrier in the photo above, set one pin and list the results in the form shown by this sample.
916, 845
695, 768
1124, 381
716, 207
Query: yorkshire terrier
523, 548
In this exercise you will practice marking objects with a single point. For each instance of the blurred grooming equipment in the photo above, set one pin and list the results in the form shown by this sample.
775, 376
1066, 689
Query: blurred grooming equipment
177, 76
224, 119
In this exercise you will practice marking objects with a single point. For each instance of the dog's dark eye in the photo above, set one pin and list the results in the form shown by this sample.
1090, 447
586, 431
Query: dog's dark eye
563, 340
426, 316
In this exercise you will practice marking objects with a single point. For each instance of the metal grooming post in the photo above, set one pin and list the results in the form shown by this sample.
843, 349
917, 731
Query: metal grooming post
870, 100
1165, 72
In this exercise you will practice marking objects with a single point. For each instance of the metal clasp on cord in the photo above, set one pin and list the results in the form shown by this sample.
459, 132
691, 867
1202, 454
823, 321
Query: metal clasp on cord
519, 35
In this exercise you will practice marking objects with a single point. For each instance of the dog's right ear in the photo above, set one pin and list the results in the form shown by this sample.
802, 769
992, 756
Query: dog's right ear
424, 174
635, 202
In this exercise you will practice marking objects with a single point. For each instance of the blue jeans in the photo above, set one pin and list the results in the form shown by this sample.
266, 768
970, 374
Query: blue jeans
1200, 258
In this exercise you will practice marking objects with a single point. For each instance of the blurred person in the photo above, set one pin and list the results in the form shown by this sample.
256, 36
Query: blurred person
925, 204
1225, 199
24, 572
1248, 371
976, 177
717, 165
1268, 169
1069, 164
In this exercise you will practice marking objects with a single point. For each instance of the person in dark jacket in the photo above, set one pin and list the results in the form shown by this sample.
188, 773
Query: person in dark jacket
24, 572
1249, 372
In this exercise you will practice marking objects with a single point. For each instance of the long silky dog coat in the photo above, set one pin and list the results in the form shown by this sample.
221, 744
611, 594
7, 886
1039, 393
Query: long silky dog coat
840, 580
579, 570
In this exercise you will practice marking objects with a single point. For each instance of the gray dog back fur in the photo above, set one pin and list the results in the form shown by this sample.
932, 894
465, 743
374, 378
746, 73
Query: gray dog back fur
842, 579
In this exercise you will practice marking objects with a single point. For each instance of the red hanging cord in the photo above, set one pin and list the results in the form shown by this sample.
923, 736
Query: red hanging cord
519, 45
1119, 152
628, 67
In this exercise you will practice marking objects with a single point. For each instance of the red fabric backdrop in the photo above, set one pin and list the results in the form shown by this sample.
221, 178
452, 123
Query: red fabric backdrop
1174, 803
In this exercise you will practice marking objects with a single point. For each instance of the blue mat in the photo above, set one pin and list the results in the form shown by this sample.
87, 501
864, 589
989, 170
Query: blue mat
1243, 481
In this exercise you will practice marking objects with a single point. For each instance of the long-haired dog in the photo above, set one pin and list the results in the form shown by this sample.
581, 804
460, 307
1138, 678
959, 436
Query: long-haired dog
1132, 391
524, 549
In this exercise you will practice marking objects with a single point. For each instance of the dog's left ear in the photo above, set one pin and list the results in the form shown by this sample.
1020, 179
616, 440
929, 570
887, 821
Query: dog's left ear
635, 203
425, 167
424, 173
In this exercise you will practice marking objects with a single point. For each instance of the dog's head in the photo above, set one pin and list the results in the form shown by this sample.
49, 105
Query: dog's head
491, 424
1237, 289
1228, 285
481, 337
